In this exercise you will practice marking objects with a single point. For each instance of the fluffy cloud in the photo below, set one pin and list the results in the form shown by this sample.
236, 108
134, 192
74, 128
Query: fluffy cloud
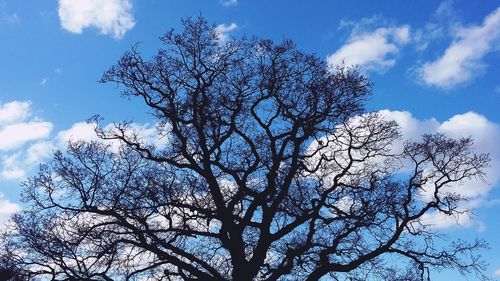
485, 134
15, 165
16, 130
476, 190
224, 29
14, 111
21, 139
25, 142
80, 131
7, 208
411, 128
12, 168
375, 51
15, 135
462, 60
111, 17
38, 151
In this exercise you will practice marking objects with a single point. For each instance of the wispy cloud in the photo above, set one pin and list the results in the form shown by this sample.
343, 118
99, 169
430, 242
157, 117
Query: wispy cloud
443, 23
13, 18
462, 60
445, 9
111, 17
228, 3
497, 273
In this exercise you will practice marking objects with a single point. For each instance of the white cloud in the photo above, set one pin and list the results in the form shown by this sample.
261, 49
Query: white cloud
14, 111
228, 3
15, 135
38, 151
375, 51
111, 17
12, 168
411, 127
150, 135
485, 134
422, 37
21, 139
445, 9
83, 131
15, 166
7, 208
439, 220
442, 24
462, 60
497, 273
25, 142
223, 30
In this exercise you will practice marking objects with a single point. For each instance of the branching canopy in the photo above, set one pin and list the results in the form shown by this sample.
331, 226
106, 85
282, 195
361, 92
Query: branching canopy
272, 171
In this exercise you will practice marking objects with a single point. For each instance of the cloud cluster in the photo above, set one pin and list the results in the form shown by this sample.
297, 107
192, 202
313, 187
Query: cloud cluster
485, 134
462, 60
25, 142
378, 49
374, 51
111, 17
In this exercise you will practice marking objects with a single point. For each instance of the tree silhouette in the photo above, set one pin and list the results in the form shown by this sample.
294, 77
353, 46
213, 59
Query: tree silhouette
9, 271
272, 170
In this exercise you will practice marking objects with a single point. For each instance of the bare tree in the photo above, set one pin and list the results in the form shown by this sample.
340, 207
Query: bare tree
9, 271
272, 171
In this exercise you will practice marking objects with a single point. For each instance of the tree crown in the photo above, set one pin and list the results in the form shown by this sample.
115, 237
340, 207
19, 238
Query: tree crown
272, 170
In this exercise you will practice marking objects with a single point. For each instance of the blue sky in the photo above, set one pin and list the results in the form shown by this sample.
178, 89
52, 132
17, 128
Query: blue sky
435, 66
